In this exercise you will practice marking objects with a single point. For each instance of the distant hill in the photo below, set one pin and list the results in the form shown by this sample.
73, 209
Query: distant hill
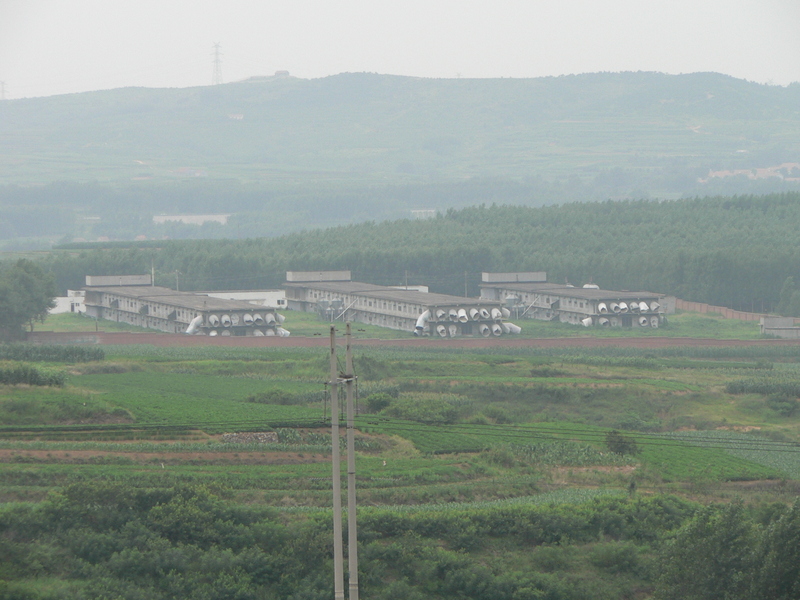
375, 146
371, 126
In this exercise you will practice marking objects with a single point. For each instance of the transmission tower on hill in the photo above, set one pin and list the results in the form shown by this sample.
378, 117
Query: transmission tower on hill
217, 78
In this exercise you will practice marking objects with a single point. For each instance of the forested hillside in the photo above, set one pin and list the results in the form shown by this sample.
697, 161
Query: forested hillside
731, 251
282, 154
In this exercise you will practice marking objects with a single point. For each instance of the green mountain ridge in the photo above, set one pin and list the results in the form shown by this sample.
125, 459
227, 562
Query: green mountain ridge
283, 154
371, 126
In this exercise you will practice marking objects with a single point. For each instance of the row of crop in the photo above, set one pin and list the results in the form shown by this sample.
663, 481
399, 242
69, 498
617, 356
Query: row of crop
780, 457
172, 447
23, 470
50, 353
213, 403
173, 353
390, 353
644, 357
787, 384
528, 445
693, 457
21, 373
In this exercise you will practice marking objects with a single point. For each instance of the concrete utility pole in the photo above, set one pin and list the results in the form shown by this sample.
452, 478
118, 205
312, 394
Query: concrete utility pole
338, 560
352, 530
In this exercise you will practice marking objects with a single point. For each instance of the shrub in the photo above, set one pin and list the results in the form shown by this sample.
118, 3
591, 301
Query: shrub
425, 410
784, 405
377, 402
279, 397
31, 375
615, 558
109, 368
369, 368
620, 444
49, 353
498, 414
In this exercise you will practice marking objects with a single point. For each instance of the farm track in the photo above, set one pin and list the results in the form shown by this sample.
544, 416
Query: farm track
179, 340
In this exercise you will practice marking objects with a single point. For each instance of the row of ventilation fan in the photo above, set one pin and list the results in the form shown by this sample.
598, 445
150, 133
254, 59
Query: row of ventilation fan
247, 319
277, 331
458, 316
220, 324
643, 321
463, 315
485, 329
624, 307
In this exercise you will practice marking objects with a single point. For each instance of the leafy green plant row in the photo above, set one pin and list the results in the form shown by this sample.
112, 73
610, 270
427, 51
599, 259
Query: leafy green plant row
783, 459
50, 353
384, 353
213, 403
20, 373
787, 384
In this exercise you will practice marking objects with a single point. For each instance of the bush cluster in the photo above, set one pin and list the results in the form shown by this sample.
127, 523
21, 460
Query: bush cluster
50, 353
22, 373
103, 540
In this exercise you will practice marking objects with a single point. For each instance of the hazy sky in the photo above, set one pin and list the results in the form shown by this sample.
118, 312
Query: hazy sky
60, 46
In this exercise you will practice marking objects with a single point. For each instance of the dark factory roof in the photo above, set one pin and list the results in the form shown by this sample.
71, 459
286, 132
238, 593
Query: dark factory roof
573, 292
162, 295
383, 292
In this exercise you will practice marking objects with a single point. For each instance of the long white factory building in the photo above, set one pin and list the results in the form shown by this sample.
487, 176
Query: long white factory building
528, 295
132, 299
334, 295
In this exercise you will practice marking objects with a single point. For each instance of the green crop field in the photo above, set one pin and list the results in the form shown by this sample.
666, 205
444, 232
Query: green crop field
504, 420
197, 400
573, 466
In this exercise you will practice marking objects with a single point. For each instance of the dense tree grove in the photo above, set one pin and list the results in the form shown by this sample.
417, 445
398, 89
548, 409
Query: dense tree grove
103, 540
730, 251
26, 294
724, 553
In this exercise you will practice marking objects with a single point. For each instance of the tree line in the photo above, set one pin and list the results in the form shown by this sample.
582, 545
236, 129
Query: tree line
729, 251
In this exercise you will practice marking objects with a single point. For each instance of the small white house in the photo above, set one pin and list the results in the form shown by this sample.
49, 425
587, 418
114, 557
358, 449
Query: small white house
72, 302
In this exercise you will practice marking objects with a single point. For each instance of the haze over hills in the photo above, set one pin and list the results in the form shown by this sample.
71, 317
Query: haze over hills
282, 153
